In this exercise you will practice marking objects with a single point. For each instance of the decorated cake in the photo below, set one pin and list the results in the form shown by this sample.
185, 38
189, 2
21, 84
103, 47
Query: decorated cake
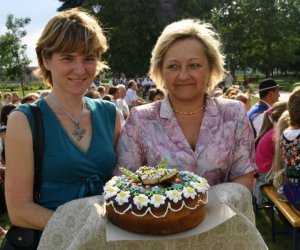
156, 200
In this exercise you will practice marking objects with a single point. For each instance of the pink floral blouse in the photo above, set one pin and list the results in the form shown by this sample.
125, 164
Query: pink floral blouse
224, 149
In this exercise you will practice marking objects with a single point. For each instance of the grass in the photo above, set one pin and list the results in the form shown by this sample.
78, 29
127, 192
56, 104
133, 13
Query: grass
283, 240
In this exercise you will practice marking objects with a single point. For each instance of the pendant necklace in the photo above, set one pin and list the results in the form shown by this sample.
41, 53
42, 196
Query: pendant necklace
78, 132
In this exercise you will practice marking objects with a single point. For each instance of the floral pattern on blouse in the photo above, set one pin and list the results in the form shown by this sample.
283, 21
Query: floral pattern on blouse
290, 150
224, 149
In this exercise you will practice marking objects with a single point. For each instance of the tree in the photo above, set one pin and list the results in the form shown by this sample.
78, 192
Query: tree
13, 59
133, 27
257, 34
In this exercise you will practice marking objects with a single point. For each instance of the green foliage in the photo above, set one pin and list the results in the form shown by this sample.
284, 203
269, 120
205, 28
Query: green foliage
16, 87
257, 34
13, 59
260, 34
132, 29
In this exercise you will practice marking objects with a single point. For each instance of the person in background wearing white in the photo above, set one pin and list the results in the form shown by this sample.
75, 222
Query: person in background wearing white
121, 102
131, 97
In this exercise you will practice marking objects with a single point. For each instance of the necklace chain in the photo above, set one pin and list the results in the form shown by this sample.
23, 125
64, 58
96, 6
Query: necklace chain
78, 131
189, 113
192, 112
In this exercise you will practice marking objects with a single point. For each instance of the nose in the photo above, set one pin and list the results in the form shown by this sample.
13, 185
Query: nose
79, 67
183, 73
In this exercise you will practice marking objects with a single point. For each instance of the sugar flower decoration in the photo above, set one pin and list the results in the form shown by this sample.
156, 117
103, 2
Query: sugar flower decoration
110, 191
174, 195
157, 200
176, 185
112, 181
122, 197
201, 179
189, 192
141, 201
199, 186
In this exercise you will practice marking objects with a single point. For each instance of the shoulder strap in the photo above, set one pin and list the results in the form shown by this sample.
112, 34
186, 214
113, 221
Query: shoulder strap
38, 150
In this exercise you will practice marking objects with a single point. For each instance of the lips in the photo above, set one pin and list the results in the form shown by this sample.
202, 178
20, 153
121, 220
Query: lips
184, 85
77, 81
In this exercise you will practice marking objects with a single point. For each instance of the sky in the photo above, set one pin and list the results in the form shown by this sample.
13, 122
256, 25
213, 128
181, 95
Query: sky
39, 11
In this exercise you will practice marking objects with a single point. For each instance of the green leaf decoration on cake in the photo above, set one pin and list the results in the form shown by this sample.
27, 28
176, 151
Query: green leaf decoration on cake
129, 174
169, 176
162, 164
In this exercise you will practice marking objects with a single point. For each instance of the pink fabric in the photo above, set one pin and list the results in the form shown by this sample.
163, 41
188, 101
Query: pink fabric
224, 150
265, 152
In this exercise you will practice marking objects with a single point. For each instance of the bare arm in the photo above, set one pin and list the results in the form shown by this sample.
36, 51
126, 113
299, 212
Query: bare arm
20, 175
246, 180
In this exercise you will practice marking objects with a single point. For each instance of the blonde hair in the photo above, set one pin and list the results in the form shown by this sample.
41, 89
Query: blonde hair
276, 169
70, 31
186, 29
274, 113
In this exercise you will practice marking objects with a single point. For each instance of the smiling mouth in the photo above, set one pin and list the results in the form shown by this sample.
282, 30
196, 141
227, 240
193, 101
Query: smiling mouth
184, 85
77, 81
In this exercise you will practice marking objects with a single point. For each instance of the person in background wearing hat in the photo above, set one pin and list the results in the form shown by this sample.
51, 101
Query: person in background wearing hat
268, 94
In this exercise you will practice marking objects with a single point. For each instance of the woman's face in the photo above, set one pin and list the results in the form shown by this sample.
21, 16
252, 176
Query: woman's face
72, 72
186, 70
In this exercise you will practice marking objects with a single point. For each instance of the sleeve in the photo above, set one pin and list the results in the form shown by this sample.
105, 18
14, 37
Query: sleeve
257, 122
130, 144
125, 109
244, 152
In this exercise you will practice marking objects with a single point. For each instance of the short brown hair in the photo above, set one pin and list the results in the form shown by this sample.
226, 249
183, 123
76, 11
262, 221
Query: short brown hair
69, 31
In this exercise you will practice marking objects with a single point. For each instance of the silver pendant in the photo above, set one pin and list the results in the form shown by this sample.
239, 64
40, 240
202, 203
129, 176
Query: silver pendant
78, 132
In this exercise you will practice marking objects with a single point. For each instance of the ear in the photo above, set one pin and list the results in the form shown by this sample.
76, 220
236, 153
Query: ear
46, 63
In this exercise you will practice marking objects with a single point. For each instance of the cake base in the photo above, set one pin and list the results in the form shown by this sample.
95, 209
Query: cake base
172, 222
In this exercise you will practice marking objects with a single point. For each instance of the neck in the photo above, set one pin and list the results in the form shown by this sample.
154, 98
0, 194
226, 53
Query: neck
189, 107
71, 104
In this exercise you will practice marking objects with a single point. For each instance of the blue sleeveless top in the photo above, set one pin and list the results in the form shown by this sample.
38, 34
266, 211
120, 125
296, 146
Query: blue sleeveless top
69, 173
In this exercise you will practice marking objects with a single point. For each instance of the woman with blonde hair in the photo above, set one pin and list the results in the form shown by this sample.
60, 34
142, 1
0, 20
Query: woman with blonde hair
275, 173
265, 146
189, 128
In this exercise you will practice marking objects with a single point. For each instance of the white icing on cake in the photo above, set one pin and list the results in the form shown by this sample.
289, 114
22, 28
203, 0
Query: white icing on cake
124, 194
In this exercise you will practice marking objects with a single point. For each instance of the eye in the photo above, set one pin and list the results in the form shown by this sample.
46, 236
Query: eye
172, 66
66, 58
91, 58
195, 65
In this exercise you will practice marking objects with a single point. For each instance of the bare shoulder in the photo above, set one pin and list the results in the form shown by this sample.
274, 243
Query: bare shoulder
16, 115
17, 126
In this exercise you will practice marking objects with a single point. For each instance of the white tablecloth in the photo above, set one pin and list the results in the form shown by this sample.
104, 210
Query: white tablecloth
81, 224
